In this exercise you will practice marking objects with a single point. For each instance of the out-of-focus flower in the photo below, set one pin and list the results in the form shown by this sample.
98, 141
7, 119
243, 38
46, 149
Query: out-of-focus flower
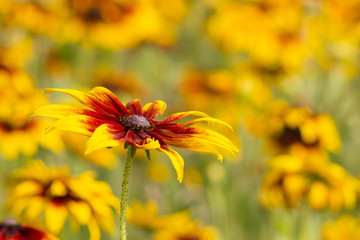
11, 230
110, 123
37, 16
346, 227
18, 99
158, 171
102, 157
202, 90
285, 185
296, 130
189, 231
102, 23
99, 22
205, 87
168, 227
325, 185
118, 82
147, 216
271, 38
57, 195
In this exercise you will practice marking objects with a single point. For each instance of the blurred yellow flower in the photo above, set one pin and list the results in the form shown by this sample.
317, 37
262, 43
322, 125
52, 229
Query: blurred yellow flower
110, 123
11, 230
292, 179
346, 227
168, 227
205, 88
189, 231
102, 23
57, 195
37, 16
103, 157
271, 38
124, 83
296, 130
158, 171
284, 185
18, 99
147, 216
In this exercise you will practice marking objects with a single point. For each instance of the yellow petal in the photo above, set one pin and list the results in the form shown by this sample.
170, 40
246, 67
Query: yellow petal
148, 145
55, 216
180, 115
58, 188
36, 206
206, 119
101, 138
55, 111
74, 123
81, 211
27, 188
204, 141
177, 161
94, 230
82, 97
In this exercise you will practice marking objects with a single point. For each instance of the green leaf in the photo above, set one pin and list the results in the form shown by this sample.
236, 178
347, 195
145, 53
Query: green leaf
148, 154
126, 145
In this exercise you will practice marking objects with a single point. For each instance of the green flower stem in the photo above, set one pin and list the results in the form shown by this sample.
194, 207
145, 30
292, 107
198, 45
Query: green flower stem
125, 183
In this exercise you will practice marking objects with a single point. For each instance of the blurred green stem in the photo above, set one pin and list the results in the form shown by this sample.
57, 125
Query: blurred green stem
125, 183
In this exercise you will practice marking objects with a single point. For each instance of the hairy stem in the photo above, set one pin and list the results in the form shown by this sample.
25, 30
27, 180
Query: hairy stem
125, 183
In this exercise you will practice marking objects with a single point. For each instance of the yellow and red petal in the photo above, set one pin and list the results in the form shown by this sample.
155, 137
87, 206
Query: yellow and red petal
204, 119
177, 116
146, 144
151, 110
81, 124
196, 139
102, 94
176, 159
56, 111
134, 107
102, 138
103, 106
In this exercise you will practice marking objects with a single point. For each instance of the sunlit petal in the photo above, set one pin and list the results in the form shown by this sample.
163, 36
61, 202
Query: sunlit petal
102, 138
176, 159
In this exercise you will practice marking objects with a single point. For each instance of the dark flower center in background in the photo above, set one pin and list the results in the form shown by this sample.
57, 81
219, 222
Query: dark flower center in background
136, 122
94, 15
290, 136
188, 238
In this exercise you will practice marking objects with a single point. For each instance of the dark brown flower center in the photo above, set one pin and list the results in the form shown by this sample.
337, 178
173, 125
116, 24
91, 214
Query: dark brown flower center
291, 136
136, 122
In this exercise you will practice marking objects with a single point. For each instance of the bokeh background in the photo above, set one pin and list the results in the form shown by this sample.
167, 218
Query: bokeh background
283, 73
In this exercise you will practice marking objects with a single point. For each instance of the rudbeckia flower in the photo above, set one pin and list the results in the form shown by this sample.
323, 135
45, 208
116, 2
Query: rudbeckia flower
110, 123
175, 226
51, 196
345, 227
11, 230
323, 184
